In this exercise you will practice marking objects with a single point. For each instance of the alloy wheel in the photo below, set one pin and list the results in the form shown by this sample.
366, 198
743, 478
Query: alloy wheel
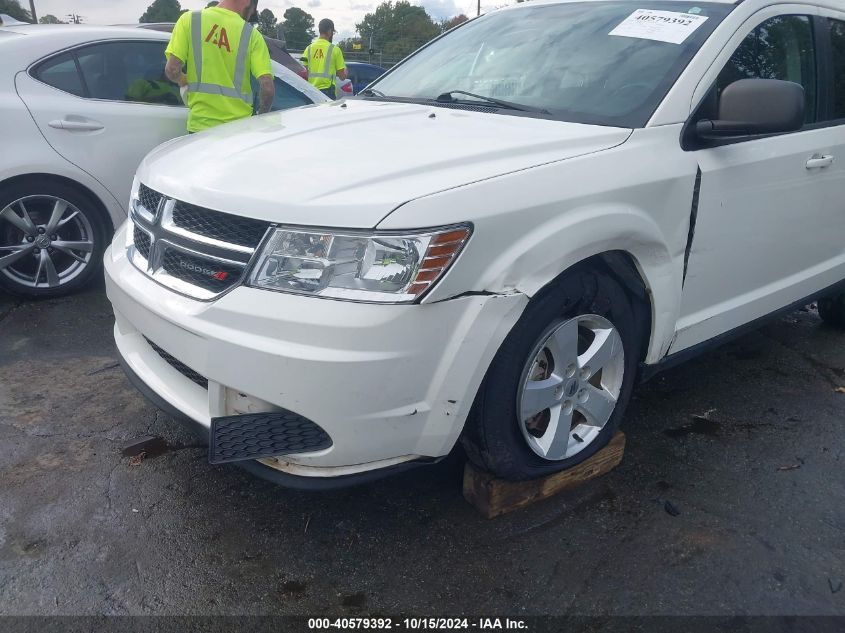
570, 386
45, 241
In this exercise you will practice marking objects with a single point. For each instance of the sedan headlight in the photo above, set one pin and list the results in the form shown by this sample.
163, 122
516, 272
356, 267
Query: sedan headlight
382, 267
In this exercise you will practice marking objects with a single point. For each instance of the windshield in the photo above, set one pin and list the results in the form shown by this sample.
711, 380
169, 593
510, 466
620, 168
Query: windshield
606, 63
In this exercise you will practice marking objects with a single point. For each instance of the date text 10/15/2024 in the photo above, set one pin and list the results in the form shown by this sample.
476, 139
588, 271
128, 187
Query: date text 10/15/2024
417, 624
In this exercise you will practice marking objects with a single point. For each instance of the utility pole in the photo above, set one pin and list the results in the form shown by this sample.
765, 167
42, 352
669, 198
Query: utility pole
32, 11
479, 8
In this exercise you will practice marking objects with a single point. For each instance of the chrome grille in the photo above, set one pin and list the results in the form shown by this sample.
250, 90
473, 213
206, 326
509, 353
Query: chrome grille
224, 227
142, 242
149, 199
197, 252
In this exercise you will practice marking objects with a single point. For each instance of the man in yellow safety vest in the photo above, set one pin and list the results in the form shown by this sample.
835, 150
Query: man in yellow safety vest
220, 50
324, 60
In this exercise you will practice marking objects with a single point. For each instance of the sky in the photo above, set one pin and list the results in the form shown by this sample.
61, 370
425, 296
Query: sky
344, 13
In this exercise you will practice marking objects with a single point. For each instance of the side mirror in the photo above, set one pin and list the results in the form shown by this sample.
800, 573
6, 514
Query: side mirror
749, 107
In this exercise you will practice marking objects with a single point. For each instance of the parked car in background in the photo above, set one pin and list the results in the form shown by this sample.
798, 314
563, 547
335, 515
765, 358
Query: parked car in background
525, 237
278, 51
362, 75
80, 107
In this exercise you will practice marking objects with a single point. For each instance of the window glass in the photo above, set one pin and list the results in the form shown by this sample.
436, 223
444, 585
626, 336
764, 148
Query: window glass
837, 40
60, 72
128, 71
780, 48
563, 57
287, 96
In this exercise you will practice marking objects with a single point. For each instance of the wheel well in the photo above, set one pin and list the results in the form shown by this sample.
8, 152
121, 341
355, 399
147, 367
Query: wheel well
621, 266
82, 189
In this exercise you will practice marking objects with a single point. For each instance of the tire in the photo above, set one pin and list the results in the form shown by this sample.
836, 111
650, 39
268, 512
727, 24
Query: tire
832, 310
52, 238
500, 436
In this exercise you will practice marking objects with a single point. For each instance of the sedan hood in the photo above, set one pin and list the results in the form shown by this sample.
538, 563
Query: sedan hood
350, 164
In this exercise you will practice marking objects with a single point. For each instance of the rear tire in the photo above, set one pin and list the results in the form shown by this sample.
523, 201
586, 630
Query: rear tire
832, 310
585, 317
52, 238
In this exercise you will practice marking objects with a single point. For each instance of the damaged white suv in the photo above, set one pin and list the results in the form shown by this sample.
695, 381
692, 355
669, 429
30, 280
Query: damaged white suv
548, 203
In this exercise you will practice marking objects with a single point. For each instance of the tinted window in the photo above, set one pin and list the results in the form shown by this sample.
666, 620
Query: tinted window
837, 40
578, 60
127, 71
60, 72
287, 96
780, 48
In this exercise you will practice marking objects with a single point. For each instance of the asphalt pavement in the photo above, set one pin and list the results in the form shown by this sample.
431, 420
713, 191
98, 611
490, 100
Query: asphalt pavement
730, 500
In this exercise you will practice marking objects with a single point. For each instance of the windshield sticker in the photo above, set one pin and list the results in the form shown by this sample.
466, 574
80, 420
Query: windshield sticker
662, 26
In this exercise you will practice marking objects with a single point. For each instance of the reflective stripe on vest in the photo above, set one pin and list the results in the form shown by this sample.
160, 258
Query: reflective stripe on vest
240, 63
326, 74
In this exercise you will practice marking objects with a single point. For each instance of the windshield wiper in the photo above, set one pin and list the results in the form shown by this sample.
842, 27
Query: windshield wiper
372, 92
447, 97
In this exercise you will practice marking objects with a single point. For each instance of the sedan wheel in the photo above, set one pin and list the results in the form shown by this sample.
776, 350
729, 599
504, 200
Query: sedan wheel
50, 243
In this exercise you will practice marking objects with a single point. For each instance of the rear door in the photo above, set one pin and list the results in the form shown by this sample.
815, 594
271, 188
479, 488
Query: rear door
104, 106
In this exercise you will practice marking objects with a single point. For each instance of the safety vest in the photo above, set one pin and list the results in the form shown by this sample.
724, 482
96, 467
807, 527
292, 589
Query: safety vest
195, 78
318, 68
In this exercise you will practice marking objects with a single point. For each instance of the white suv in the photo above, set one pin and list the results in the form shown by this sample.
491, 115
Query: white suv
550, 201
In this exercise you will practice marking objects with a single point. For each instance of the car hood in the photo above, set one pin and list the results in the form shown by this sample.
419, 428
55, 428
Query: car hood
350, 164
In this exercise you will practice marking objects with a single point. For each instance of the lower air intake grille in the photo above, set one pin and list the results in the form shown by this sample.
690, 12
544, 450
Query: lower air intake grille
253, 436
179, 366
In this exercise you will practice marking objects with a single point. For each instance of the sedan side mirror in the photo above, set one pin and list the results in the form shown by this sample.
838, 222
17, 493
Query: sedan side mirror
749, 107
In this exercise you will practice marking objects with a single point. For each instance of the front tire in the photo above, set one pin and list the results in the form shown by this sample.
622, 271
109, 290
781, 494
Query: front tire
52, 238
558, 387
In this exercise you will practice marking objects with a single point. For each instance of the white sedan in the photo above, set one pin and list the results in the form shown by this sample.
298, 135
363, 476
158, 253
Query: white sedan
81, 106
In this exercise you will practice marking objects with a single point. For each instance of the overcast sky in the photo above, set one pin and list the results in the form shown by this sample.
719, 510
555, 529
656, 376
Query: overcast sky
345, 13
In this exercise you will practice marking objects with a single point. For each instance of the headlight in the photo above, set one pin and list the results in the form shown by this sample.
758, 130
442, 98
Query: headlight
383, 267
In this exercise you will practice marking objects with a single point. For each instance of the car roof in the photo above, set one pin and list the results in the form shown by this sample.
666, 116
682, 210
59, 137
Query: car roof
522, 5
80, 32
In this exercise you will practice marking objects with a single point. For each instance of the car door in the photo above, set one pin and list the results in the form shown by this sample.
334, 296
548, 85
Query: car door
104, 106
764, 233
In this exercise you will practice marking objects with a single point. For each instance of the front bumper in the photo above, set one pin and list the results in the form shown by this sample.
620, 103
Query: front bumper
390, 384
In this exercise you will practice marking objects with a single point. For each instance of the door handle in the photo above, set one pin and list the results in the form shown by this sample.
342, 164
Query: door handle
819, 162
81, 126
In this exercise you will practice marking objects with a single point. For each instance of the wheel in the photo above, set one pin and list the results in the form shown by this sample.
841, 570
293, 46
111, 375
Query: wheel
832, 310
52, 239
557, 388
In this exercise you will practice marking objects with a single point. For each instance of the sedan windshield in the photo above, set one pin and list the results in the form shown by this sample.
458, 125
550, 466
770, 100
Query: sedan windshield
605, 63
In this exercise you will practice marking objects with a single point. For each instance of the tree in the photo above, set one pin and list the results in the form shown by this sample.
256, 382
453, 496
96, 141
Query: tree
398, 29
162, 11
451, 23
13, 9
267, 23
213, 3
50, 19
299, 28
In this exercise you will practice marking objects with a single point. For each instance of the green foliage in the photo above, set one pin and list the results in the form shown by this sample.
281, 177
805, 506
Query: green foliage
267, 23
398, 29
50, 19
13, 9
162, 11
299, 28
213, 3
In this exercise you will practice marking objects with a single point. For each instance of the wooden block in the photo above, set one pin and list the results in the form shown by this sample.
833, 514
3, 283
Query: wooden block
494, 497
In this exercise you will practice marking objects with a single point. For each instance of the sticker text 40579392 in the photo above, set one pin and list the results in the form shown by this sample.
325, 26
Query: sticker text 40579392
662, 26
